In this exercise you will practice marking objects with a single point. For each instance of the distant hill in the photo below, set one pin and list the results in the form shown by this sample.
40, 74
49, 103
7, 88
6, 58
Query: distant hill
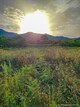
77, 38
34, 38
33, 35
37, 36
6, 34
51, 37
38, 39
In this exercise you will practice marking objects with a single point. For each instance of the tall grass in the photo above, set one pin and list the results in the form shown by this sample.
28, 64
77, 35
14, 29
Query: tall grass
39, 77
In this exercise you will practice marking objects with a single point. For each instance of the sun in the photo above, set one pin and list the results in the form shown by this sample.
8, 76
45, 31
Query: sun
36, 22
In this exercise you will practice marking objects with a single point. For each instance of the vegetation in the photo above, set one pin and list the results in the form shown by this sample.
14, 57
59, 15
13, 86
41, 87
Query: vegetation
18, 41
71, 43
7, 43
40, 77
4, 42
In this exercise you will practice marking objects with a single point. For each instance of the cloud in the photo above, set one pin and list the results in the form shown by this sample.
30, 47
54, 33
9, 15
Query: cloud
66, 18
10, 19
64, 15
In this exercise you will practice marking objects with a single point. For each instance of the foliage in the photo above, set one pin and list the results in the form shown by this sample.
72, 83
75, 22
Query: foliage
4, 42
71, 43
40, 77
18, 41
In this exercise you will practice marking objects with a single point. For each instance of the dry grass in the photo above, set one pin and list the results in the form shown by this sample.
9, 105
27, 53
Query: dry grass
39, 77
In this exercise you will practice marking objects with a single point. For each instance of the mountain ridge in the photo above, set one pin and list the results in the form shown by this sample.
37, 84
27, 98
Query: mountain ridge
12, 35
6, 34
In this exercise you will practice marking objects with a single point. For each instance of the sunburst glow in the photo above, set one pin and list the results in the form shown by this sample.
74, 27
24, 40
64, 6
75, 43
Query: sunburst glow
36, 22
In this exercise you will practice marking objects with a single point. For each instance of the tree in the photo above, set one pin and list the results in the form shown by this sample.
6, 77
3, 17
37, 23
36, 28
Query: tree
4, 42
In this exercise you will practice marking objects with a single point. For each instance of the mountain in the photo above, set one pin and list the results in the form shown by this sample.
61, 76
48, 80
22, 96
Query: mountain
51, 37
34, 37
77, 38
6, 34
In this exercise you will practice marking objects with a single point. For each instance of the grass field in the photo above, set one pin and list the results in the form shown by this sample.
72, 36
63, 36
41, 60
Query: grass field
40, 77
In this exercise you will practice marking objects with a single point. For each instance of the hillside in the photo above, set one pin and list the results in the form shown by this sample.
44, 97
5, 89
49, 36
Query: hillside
31, 35
6, 34
30, 38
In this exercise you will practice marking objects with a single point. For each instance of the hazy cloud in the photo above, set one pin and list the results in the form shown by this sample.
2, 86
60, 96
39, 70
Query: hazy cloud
10, 19
64, 15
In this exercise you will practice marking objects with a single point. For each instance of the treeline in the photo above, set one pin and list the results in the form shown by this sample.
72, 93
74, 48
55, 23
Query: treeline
71, 43
20, 42
5, 42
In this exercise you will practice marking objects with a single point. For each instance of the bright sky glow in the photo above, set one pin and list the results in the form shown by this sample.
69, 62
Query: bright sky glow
36, 22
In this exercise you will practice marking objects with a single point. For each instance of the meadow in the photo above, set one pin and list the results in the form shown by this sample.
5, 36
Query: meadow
40, 77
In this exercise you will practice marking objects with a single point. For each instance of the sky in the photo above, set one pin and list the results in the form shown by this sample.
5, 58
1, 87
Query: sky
64, 15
